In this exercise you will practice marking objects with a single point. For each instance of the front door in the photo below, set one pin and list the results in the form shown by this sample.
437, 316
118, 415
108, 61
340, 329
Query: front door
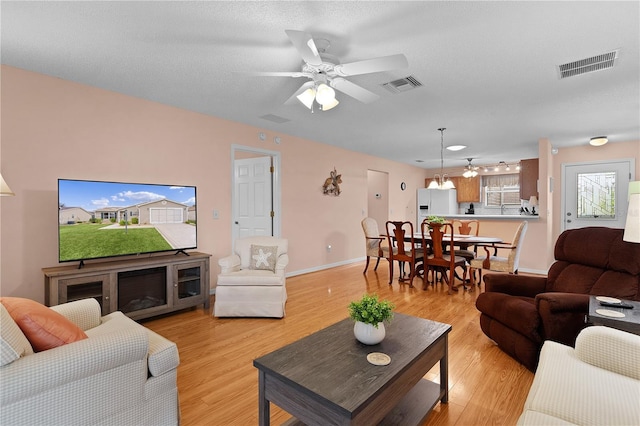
595, 193
253, 197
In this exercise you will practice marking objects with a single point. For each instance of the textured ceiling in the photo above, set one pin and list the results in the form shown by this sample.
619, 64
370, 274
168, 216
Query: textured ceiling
488, 69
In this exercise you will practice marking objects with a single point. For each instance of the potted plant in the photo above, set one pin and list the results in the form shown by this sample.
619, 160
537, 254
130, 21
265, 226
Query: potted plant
436, 220
370, 313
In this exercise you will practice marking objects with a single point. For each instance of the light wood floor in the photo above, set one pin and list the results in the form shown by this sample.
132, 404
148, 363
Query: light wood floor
218, 384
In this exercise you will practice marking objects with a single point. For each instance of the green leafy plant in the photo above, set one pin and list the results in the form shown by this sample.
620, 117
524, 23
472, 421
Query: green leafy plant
371, 310
435, 219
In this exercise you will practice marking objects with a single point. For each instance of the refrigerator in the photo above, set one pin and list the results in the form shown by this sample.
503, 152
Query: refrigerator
435, 202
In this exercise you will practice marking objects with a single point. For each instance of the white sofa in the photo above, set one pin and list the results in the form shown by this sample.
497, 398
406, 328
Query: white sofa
243, 290
122, 374
597, 383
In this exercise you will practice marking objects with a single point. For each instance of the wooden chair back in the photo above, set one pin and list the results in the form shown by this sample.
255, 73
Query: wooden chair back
439, 259
466, 227
402, 247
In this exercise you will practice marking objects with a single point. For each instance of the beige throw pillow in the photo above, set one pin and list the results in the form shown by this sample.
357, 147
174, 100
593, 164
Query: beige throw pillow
263, 257
13, 343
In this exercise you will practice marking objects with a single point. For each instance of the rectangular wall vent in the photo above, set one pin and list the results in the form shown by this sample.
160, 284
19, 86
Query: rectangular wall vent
274, 118
583, 66
402, 84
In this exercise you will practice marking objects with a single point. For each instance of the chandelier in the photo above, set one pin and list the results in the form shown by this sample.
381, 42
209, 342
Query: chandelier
441, 180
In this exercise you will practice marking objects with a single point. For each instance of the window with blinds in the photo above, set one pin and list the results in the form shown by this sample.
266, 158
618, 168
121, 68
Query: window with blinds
500, 190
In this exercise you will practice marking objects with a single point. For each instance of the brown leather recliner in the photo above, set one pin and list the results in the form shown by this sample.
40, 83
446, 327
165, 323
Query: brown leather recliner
520, 312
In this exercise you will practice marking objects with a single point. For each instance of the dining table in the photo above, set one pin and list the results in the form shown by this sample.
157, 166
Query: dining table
459, 240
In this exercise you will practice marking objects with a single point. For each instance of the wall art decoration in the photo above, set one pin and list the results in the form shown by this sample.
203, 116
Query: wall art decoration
332, 183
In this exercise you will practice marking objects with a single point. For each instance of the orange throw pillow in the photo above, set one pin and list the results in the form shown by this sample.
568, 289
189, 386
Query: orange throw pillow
43, 327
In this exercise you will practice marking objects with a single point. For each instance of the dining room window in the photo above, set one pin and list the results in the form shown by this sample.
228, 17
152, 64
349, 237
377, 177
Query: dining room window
501, 190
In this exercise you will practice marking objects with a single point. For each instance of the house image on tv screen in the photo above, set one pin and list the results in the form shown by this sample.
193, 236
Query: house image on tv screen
70, 215
149, 213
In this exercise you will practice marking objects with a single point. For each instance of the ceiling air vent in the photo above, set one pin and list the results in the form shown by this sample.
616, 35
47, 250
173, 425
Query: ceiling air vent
583, 66
402, 84
274, 118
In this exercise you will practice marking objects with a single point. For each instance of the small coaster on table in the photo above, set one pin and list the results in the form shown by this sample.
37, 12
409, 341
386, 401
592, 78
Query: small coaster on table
378, 358
607, 299
610, 313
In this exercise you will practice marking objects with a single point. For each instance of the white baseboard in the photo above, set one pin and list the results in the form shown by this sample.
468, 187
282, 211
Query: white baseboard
323, 267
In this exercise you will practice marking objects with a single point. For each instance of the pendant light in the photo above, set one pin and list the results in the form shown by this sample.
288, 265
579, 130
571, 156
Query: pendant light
441, 181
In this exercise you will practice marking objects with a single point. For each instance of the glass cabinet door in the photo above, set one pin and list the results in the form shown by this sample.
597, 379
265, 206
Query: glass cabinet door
188, 281
97, 286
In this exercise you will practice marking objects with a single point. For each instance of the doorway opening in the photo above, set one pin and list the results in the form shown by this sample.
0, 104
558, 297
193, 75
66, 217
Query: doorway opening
378, 197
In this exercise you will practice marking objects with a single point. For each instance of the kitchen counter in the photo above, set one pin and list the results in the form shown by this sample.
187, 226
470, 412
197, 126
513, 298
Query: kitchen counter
493, 216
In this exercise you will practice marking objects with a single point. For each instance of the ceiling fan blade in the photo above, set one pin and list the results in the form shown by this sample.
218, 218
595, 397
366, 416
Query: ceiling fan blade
384, 63
276, 74
353, 90
293, 99
305, 45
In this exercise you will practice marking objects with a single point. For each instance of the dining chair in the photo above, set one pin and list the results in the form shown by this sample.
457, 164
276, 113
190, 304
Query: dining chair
466, 227
496, 263
438, 259
376, 244
402, 248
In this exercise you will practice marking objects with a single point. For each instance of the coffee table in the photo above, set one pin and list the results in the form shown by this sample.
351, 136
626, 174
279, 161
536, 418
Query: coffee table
629, 323
325, 378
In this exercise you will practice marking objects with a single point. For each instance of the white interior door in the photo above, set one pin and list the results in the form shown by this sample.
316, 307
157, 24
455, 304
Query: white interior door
595, 194
253, 197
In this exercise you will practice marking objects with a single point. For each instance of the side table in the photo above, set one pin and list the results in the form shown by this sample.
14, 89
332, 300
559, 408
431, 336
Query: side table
629, 323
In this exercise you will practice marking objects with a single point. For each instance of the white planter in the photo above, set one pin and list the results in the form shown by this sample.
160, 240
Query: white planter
368, 334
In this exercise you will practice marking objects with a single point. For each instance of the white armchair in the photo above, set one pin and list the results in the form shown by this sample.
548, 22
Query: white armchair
252, 281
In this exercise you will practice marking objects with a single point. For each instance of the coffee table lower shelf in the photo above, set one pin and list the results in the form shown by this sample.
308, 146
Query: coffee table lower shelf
413, 409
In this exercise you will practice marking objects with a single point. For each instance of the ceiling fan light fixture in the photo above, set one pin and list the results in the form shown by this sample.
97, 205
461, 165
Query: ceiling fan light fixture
598, 141
470, 170
307, 97
327, 106
325, 94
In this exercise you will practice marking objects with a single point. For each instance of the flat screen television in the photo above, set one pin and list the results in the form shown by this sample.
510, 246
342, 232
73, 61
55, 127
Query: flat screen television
98, 219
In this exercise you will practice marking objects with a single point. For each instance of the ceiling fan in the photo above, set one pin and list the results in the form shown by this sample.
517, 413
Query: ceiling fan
470, 170
326, 73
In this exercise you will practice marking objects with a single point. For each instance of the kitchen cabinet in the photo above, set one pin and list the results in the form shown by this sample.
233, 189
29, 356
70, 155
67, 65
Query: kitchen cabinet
468, 189
528, 178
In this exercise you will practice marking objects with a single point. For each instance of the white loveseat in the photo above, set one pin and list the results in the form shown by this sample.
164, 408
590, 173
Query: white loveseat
597, 383
121, 374
247, 289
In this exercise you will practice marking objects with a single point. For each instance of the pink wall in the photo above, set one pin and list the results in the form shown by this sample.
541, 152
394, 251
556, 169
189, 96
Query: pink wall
53, 129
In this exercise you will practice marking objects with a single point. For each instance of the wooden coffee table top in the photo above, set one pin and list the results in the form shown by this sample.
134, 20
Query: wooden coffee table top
333, 365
